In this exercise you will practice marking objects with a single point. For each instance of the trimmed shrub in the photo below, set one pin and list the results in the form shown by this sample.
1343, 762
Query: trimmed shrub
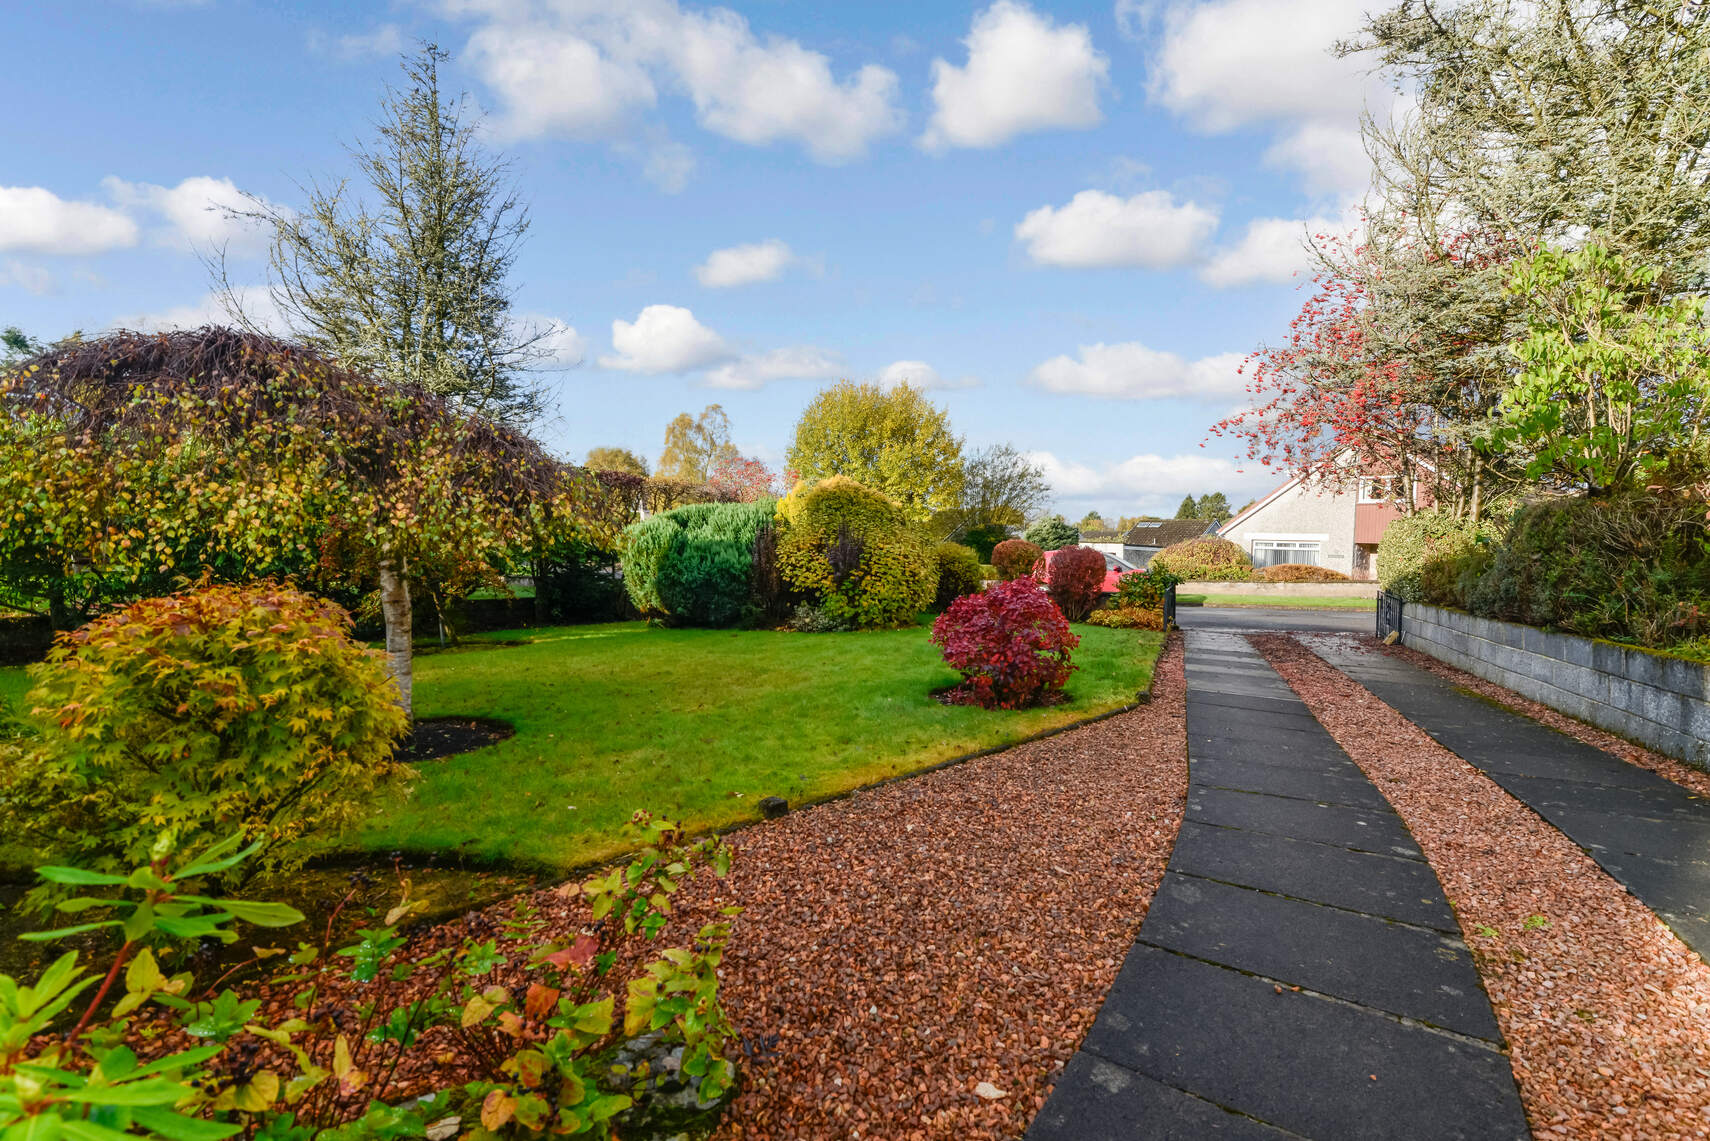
1145, 589
1010, 644
1633, 568
854, 553
1206, 559
1016, 558
983, 539
218, 710
1128, 618
1413, 540
694, 565
1075, 579
1298, 572
958, 573
1053, 533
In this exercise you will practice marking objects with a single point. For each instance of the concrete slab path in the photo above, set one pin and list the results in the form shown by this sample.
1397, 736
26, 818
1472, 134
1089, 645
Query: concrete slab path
1299, 973
1650, 834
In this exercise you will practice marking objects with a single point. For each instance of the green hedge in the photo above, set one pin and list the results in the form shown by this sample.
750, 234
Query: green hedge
1631, 568
854, 553
1207, 559
1414, 540
694, 565
959, 573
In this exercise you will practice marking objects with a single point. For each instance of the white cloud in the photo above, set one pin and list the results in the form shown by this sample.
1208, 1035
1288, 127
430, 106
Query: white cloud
254, 300
1148, 480
1330, 157
563, 345
585, 70
745, 265
801, 362
551, 81
1132, 371
199, 212
665, 338
921, 375
30, 278
1024, 73
387, 39
1150, 229
38, 220
1273, 249
1229, 63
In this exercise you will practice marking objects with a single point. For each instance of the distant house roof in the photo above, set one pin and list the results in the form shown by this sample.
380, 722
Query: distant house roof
1168, 532
1097, 536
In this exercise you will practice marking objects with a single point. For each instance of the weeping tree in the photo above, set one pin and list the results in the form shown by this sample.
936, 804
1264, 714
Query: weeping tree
136, 459
402, 272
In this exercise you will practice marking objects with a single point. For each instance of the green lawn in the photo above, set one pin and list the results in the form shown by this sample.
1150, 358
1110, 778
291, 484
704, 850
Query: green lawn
699, 724
1283, 602
13, 683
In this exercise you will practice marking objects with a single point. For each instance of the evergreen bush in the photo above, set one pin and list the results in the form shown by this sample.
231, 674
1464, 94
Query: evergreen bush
854, 553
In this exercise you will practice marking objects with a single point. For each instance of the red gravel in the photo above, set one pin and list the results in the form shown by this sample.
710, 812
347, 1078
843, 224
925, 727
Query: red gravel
1606, 1013
1681, 773
961, 927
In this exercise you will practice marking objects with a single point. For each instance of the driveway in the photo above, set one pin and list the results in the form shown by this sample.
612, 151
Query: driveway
1274, 618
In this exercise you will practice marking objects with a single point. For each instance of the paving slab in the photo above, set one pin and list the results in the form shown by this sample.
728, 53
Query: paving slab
1299, 972
1387, 886
1315, 1066
1096, 1100
1329, 784
1410, 971
1647, 832
1357, 828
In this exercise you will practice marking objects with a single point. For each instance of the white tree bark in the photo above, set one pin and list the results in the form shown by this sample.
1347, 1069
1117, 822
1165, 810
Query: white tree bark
395, 607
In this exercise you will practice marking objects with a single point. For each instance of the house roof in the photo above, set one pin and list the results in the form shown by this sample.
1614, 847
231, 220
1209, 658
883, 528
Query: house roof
1167, 532
1097, 535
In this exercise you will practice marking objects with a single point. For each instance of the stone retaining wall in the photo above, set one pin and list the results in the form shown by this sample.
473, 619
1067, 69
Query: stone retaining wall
1658, 701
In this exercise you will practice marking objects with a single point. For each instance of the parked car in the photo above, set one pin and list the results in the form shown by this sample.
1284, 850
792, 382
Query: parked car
1114, 568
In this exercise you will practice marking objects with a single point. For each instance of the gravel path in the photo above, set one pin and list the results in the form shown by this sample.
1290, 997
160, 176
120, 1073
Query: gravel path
1606, 1013
904, 946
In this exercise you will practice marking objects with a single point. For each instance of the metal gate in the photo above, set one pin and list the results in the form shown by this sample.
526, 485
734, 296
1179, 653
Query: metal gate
1388, 615
1169, 607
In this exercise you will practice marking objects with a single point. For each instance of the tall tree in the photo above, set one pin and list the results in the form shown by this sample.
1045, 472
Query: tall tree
1093, 521
1189, 508
1001, 490
694, 446
615, 459
407, 279
1214, 505
1052, 533
893, 440
15, 345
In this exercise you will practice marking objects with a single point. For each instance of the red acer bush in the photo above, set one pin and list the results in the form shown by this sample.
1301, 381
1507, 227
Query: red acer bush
1010, 643
1015, 558
1075, 578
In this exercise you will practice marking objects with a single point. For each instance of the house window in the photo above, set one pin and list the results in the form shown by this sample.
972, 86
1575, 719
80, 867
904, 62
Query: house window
1274, 552
1380, 489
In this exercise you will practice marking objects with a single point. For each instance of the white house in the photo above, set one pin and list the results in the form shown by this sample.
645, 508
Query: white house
1139, 543
1306, 522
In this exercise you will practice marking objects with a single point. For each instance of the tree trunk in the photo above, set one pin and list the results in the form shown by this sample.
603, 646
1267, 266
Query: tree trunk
395, 607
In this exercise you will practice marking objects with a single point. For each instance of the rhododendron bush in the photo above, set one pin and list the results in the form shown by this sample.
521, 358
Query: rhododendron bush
1010, 643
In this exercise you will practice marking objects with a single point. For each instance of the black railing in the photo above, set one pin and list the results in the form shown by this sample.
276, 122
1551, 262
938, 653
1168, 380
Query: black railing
1388, 615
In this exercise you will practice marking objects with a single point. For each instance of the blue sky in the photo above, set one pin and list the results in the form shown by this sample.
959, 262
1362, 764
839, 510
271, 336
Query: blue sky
1070, 219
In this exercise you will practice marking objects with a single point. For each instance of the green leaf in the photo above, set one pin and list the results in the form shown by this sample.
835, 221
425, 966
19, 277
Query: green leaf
177, 1127
62, 932
80, 876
